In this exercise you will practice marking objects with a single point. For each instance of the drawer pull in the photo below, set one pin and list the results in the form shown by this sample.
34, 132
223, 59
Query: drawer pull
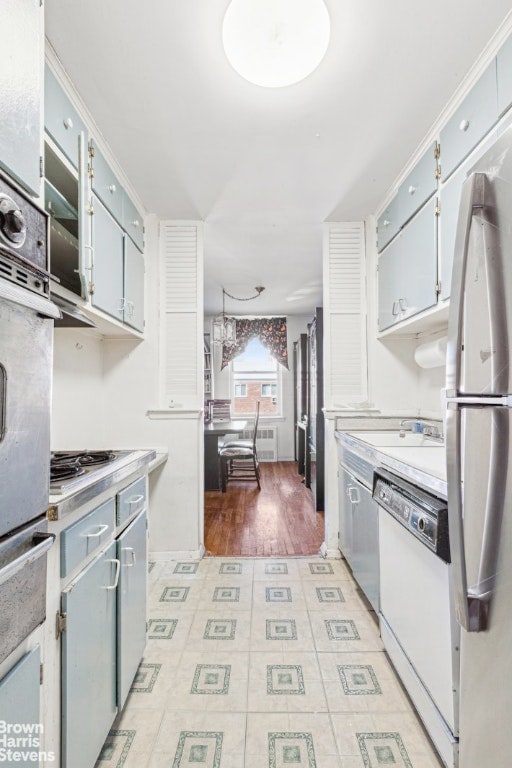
353, 494
464, 125
116, 579
134, 561
136, 223
396, 308
112, 188
411, 190
403, 304
68, 123
386, 223
136, 499
98, 533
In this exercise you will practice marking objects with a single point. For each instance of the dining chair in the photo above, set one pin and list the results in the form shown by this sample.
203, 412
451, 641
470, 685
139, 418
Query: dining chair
239, 458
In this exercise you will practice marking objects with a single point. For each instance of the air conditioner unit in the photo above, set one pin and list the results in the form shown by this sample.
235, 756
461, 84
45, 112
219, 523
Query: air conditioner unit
266, 442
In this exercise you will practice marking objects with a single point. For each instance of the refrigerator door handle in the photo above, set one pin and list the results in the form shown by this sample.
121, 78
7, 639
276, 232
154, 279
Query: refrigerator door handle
472, 197
473, 603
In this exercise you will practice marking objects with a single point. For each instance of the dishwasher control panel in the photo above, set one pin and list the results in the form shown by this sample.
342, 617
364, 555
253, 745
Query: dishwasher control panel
425, 516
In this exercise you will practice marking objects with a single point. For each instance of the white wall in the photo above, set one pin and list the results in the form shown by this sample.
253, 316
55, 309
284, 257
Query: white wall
296, 324
103, 390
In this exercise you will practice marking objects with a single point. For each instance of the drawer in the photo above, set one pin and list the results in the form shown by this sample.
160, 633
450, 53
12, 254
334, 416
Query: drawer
131, 499
504, 76
420, 184
388, 224
61, 120
474, 117
106, 184
86, 535
133, 222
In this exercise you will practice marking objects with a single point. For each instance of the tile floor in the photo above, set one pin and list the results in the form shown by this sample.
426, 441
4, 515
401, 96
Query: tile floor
256, 663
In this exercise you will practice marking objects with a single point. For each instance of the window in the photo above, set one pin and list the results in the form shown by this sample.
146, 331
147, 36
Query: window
269, 390
255, 376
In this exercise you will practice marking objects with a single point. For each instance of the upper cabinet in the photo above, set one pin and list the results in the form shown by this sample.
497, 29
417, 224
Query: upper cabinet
477, 113
96, 232
22, 46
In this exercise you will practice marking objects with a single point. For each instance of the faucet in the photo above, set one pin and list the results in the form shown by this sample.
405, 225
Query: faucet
428, 428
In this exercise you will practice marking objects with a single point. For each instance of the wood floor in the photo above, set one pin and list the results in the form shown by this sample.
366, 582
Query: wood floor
276, 521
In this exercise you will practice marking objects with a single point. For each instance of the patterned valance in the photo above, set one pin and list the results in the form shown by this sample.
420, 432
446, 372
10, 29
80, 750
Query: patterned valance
271, 331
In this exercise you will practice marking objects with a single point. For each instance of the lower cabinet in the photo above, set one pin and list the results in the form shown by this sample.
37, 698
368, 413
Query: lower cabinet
131, 604
103, 624
88, 686
19, 706
359, 534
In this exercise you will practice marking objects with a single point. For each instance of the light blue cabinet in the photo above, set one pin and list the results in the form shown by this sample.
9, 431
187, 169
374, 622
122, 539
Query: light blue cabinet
22, 47
450, 202
61, 120
388, 224
89, 660
19, 701
504, 76
418, 186
105, 184
133, 222
408, 270
78, 541
133, 285
108, 260
131, 603
345, 482
476, 115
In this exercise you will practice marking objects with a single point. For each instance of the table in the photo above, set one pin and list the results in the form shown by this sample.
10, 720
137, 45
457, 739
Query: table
212, 432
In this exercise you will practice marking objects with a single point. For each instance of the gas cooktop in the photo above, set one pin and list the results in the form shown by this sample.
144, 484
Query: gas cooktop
67, 467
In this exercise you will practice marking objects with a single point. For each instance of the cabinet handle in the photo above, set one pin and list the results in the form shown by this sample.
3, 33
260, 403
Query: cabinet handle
403, 304
353, 494
112, 188
136, 499
68, 123
136, 223
396, 309
386, 223
116, 578
130, 307
134, 560
98, 533
464, 125
122, 305
411, 190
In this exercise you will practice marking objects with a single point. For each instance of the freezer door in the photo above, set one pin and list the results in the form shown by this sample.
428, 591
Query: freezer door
481, 512
478, 353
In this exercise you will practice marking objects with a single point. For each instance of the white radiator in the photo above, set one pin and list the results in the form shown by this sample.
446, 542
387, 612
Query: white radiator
266, 442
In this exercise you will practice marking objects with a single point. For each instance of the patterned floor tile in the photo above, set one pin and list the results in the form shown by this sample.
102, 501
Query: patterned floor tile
347, 632
281, 740
280, 628
206, 739
211, 681
276, 569
220, 630
115, 750
285, 682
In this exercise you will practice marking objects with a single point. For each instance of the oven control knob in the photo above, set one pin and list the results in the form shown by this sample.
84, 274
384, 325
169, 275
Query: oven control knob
13, 227
421, 524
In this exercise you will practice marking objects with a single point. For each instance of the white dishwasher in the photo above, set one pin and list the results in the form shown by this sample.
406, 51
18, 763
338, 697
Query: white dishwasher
417, 618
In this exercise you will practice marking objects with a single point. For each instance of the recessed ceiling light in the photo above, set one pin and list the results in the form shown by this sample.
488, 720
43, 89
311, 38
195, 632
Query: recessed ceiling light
274, 43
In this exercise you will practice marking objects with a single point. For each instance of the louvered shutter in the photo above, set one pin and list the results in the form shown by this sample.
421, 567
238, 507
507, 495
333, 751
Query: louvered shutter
181, 251
345, 310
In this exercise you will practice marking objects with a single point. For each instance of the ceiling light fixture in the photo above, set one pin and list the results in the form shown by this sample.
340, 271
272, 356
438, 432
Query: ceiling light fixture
274, 43
224, 327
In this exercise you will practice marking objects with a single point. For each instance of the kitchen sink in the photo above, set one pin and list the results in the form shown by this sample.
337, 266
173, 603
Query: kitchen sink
394, 439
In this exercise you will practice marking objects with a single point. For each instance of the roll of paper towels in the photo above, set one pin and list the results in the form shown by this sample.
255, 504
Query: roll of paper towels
432, 354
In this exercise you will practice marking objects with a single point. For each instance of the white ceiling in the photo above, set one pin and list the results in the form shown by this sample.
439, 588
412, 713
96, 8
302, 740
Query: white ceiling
265, 167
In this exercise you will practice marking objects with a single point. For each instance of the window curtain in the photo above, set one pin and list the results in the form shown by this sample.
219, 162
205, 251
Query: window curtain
271, 331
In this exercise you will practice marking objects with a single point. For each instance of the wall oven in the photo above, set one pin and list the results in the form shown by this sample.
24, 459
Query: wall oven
26, 339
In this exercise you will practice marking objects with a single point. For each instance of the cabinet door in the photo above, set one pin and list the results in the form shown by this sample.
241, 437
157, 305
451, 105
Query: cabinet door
388, 224
346, 486
471, 121
107, 239
19, 697
389, 277
133, 286
419, 185
22, 46
89, 661
450, 201
133, 222
131, 604
365, 548
504, 76
105, 184
61, 120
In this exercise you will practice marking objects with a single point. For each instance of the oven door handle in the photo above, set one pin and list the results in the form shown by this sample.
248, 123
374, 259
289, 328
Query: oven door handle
44, 542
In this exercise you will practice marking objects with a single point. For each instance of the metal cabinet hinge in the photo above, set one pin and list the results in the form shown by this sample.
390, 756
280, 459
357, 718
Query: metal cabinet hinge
41, 674
437, 150
437, 209
91, 150
438, 288
61, 624
41, 166
437, 173
90, 209
52, 513
90, 171
91, 288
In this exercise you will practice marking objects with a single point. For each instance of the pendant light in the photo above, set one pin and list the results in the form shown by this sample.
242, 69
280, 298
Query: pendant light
224, 327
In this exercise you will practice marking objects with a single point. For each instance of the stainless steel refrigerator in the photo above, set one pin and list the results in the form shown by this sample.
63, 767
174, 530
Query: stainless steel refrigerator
479, 456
